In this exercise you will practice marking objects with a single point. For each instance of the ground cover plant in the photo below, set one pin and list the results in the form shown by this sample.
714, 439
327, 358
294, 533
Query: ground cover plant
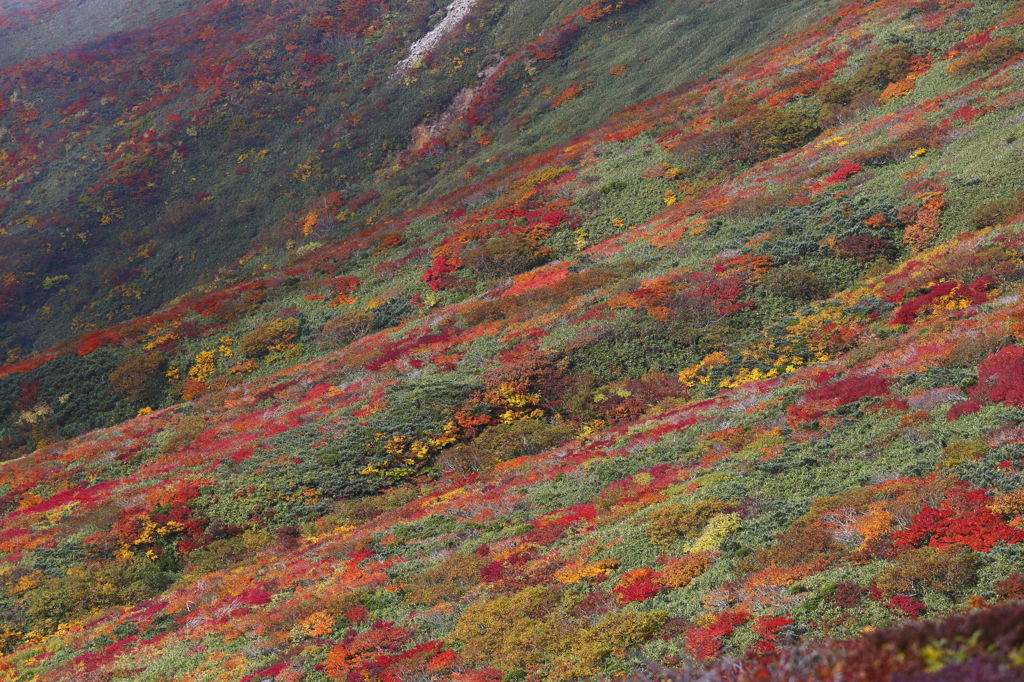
721, 380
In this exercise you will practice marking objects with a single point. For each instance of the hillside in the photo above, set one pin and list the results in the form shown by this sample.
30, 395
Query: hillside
138, 163
688, 343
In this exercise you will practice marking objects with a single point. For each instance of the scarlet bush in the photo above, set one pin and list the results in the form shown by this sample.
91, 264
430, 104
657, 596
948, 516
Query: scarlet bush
1001, 377
963, 518
704, 643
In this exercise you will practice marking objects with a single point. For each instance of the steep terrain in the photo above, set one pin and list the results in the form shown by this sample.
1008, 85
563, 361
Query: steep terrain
134, 164
726, 384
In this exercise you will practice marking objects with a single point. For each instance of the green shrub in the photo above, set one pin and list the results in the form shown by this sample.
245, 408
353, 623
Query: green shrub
186, 430
87, 587
839, 99
612, 635
516, 631
963, 451
837, 93
672, 521
996, 212
447, 580
794, 282
775, 131
217, 555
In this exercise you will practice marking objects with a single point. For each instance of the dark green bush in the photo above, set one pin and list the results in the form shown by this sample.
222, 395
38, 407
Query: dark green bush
794, 282
95, 586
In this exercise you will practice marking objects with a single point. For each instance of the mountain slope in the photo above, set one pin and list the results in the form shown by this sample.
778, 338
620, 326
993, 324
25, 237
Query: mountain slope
138, 164
737, 369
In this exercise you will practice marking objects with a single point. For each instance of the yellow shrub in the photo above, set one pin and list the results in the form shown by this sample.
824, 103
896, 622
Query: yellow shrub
667, 523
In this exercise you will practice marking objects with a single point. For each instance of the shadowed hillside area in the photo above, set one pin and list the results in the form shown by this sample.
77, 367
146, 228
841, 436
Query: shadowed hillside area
122, 180
577, 340
33, 29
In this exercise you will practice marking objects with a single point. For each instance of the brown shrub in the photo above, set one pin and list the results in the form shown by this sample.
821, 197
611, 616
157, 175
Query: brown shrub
928, 568
795, 282
502, 442
847, 594
681, 572
805, 542
186, 430
268, 336
996, 212
504, 256
138, 375
889, 152
882, 68
864, 247
346, 328
449, 580
996, 53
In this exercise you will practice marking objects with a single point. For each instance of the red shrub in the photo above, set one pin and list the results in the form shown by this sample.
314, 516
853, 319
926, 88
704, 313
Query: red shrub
975, 293
1001, 377
846, 171
909, 606
847, 594
768, 627
963, 518
638, 585
863, 247
704, 643
1011, 587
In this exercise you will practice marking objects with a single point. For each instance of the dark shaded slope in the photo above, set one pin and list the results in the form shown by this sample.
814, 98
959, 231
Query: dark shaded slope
137, 166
